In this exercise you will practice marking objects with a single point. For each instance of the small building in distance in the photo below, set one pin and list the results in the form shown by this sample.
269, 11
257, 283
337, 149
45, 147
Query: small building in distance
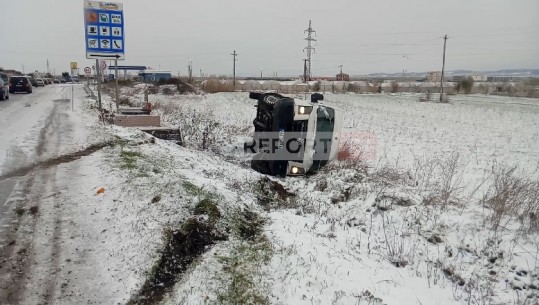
434, 76
479, 78
148, 76
343, 77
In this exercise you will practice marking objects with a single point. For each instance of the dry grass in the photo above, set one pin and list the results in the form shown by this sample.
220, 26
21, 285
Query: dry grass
440, 180
512, 196
213, 85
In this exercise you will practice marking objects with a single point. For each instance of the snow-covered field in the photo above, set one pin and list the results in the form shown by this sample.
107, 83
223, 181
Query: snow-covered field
418, 221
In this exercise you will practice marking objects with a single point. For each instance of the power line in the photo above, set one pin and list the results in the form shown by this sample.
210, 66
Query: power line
309, 48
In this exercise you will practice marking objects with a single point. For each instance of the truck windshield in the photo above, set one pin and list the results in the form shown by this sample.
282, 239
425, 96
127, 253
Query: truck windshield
325, 122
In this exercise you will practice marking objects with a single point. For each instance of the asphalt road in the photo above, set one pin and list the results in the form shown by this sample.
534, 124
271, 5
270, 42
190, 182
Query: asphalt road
22, 118
33, 128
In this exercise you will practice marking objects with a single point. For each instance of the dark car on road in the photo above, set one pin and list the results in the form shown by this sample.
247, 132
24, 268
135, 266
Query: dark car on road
4, 87
20, 83
32, 80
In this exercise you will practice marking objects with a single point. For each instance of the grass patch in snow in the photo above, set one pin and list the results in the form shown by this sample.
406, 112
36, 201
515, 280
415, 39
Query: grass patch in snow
182, 246
19, 211
208, 206
191, 189
128, 159
242, 265
271, 194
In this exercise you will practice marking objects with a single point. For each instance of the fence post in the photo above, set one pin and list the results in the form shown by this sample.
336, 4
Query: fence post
204, 138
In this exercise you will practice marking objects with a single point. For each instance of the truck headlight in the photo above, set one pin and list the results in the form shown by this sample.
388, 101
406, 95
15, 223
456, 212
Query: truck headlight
294, 170
305, 109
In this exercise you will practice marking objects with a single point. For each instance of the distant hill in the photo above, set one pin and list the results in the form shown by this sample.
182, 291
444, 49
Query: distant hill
505, 72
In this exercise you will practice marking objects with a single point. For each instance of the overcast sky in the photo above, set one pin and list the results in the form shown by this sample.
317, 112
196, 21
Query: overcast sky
363, 36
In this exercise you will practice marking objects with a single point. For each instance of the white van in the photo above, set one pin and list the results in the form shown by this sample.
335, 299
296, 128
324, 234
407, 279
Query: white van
293, 136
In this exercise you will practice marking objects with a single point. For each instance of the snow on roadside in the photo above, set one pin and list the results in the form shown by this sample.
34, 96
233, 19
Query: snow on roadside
353, 239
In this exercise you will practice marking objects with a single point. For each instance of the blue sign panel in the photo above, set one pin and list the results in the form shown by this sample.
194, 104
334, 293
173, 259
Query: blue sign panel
104, 30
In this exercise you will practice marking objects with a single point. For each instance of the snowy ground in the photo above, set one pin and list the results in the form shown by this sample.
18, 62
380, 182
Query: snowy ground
340, 244
402, 227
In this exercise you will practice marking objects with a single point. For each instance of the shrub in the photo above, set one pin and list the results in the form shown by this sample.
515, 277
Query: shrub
124, 101
170, 81
168, 91
153, 90
316, 87
394, 87
353, 88
467, 84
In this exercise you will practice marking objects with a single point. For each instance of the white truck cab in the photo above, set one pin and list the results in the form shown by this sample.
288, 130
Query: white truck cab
293, 136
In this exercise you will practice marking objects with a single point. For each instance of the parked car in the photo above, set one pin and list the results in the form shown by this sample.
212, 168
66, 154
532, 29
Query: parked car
4, 87
20, 83
32, 80
40, 82
56, 81
293, 136
74, 79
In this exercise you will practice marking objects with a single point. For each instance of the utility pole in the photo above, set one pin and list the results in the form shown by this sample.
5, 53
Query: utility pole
405, 57
443, 68
305, 70
309, 49
234, 68
190, 71
48, 70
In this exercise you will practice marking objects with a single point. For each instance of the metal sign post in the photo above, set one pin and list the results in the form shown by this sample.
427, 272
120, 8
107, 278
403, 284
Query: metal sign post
72, 85
116, 80
104, 34
98, 84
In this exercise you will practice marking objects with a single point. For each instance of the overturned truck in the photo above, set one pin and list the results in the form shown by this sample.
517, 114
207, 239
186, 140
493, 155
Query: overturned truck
292, 136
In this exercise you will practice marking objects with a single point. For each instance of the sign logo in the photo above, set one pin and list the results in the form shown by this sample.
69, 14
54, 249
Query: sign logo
104, 43
104, 30
117, 44
92, 30
92, 43
103, 18
116, 19
73, 65
87, 70
91, 17
116, 31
